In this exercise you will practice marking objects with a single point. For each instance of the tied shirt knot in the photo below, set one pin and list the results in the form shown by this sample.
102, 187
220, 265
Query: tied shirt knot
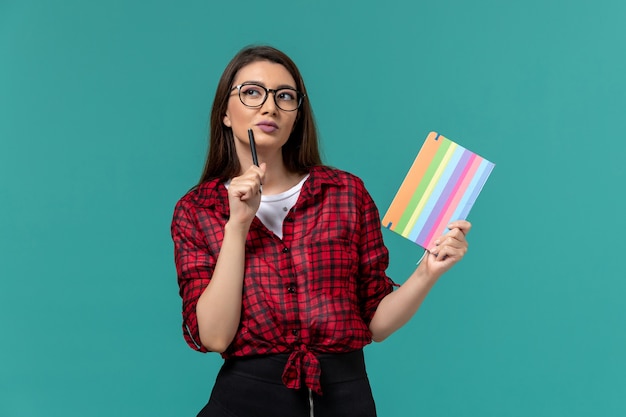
303, 363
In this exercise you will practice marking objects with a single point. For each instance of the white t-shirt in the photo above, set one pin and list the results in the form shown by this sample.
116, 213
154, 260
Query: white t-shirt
274, 208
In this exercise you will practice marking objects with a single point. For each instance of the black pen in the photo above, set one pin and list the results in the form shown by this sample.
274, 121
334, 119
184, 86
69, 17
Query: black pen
255, 160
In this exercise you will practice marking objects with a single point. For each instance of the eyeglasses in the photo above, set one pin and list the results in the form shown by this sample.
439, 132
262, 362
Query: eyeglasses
254, 95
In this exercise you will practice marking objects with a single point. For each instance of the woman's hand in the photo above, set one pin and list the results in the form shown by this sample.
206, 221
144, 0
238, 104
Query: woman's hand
448, 250
244, 195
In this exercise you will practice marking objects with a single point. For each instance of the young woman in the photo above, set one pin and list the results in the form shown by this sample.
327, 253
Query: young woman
281, 266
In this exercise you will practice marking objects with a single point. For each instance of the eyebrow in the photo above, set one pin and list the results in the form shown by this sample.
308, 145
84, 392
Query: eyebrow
263, 84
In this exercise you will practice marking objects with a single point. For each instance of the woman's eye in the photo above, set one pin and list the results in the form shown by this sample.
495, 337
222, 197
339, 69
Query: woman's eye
252, 91
286, 95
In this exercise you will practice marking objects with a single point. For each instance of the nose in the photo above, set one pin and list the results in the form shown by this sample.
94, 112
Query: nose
270, 103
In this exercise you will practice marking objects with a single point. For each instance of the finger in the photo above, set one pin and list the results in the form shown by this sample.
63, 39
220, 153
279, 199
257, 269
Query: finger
451, 253
249, 194
252, 191
463, 225
256, 172
451, 245
244, 188
451, 241
454, 235
251, 177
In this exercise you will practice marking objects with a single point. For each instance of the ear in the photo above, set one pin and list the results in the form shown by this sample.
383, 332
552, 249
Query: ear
226, 120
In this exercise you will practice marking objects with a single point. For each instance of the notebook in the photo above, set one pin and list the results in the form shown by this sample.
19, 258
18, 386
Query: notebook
441, 186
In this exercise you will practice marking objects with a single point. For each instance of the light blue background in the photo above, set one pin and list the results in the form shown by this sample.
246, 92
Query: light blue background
103, 121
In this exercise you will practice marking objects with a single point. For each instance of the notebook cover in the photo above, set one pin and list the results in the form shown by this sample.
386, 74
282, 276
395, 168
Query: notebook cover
441, 186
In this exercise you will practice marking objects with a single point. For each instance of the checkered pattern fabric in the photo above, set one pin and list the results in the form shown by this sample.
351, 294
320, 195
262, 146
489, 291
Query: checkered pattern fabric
314, 291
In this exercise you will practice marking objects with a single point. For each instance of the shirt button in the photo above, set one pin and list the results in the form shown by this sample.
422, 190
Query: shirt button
288, 219
285, 250
291, 289
294, 332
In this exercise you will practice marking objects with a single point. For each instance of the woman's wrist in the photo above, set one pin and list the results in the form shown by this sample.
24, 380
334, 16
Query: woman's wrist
425, 274
236, 229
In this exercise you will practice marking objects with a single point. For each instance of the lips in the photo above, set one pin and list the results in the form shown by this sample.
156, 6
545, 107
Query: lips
267, 127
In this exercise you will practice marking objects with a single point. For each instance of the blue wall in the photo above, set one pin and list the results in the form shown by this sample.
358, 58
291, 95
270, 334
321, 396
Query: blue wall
103, 121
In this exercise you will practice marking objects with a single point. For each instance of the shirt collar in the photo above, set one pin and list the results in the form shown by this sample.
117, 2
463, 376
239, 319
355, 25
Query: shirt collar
319, 177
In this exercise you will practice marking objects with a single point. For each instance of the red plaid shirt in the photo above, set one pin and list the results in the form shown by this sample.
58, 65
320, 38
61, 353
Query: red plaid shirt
314, 291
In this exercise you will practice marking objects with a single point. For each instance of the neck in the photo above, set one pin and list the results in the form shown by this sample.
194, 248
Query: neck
277, 177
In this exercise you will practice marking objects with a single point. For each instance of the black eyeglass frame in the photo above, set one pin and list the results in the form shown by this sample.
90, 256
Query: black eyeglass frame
267, 94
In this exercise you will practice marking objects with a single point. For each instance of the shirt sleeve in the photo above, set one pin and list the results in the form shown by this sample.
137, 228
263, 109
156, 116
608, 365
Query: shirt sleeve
374, 284
194, 267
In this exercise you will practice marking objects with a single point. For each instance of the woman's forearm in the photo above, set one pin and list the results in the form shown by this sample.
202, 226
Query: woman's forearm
219, 307
397, 308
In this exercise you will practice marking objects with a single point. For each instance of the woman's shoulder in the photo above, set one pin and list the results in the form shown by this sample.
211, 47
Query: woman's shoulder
206, 194
335, 175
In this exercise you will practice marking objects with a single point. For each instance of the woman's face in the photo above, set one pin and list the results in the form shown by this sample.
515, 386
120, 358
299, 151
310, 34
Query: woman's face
271, 125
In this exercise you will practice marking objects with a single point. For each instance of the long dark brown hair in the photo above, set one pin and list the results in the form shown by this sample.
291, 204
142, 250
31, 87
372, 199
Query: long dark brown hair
301, 151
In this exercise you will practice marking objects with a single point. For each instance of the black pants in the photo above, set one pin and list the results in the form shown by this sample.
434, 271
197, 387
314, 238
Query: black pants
252, 387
